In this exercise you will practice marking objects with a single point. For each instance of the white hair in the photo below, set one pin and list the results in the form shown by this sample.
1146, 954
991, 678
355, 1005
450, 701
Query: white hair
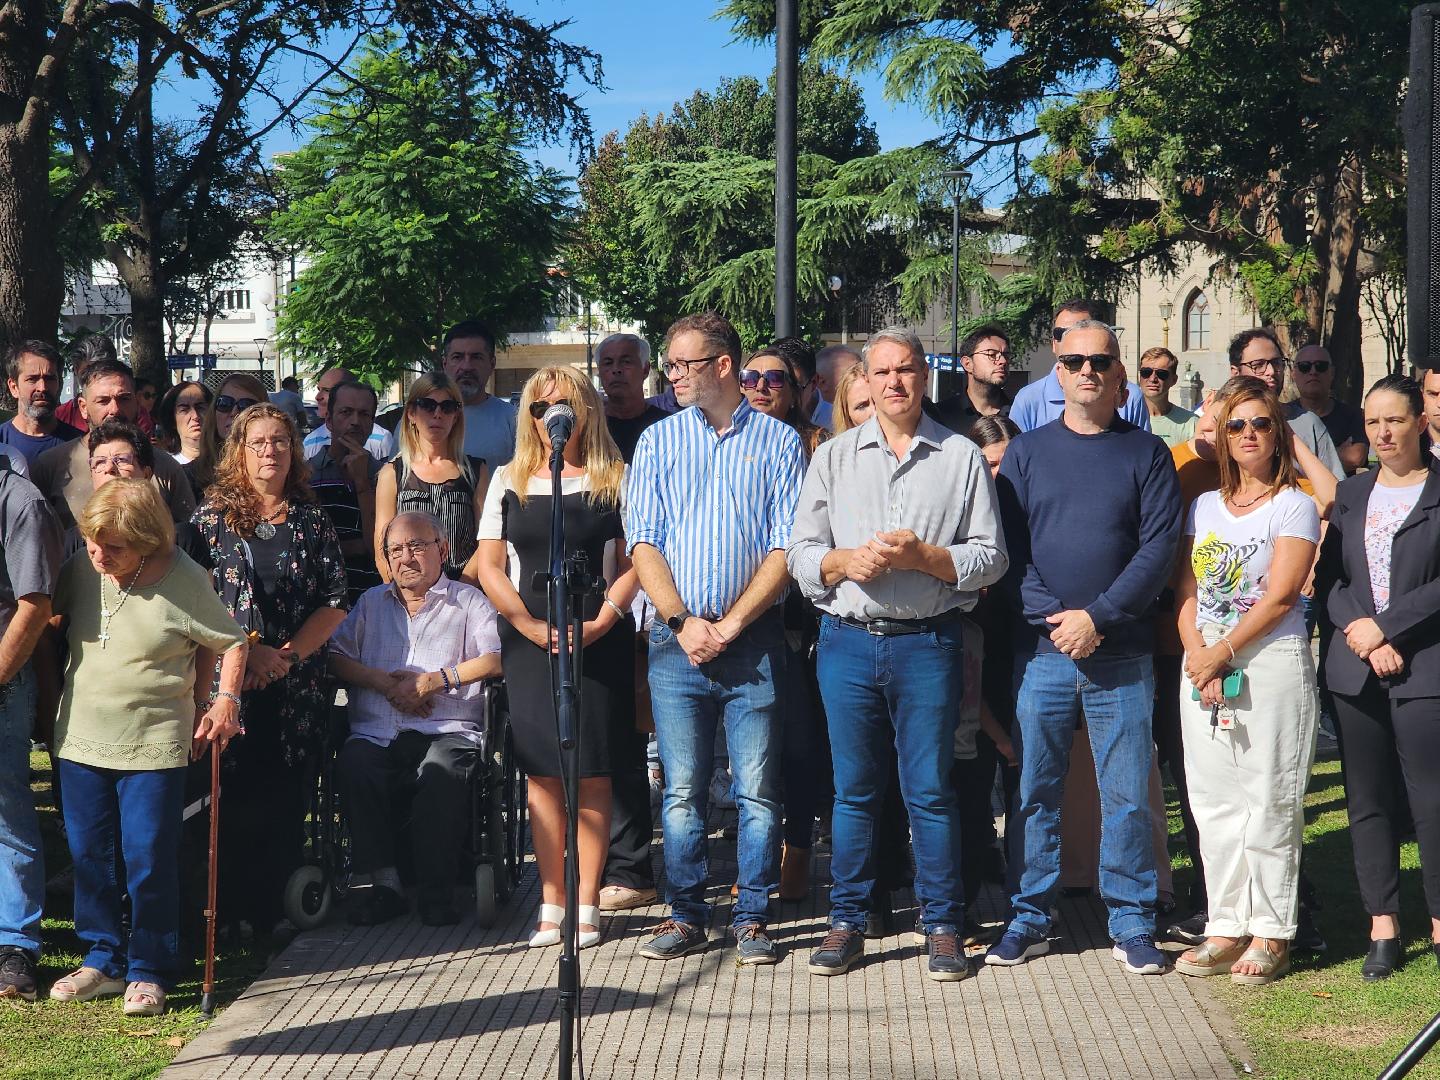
642, 347
1094, 324
899, 335
412, 517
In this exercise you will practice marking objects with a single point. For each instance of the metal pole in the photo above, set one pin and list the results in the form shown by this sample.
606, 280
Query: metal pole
787, 62
1411, 1055
955, 278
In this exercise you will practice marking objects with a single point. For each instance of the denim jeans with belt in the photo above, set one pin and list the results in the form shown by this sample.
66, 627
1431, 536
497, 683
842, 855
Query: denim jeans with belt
137, 816
740, 689
904, 688
1117, 695
22, 869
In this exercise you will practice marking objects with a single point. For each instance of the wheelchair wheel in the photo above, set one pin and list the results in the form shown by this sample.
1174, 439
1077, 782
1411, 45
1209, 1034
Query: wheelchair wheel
487, 903
307, 897
509, 817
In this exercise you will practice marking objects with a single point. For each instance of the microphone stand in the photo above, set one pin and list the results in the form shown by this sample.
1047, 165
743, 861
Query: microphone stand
569, 583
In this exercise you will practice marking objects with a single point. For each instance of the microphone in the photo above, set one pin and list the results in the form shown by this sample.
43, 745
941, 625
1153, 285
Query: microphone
559, 421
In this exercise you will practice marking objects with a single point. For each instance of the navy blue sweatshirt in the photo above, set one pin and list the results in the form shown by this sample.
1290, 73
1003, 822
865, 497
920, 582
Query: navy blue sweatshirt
1092, 522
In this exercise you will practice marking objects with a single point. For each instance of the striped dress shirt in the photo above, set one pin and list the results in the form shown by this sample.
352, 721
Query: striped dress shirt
714, 505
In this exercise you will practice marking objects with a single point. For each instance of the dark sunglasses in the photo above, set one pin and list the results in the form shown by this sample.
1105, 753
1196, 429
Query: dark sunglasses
1304, 367
225, 403
749, 380
1099, 362
1163, 374
429, 406
539, 408
1260, 425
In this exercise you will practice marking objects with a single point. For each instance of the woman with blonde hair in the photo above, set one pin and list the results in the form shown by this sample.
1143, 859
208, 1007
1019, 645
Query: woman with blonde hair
236, 394
853, 405
514, 544
144, 629
432, 473
1248, 717
276, 563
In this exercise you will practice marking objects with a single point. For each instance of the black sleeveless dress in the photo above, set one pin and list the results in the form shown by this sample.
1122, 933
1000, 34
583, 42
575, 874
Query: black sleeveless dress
607, 685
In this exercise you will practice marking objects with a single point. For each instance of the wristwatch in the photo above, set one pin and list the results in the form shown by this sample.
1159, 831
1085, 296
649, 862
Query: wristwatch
676, 621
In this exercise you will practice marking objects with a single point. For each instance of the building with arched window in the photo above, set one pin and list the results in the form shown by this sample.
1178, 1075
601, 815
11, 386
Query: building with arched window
1196, 321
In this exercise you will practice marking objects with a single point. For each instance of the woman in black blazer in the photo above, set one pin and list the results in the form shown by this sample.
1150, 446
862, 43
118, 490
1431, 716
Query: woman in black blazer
1380, 574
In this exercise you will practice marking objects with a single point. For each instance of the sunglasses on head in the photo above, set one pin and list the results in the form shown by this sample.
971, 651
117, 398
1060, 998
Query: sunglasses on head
1099, 362
1304, 367
539, 408
225, 403
1259, 424
749, 380
429, 405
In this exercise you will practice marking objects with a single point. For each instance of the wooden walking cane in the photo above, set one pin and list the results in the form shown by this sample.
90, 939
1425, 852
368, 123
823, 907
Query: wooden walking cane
207, 990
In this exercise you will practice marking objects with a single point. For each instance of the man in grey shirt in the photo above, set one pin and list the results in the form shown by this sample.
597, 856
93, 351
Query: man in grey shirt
895, 534
1257, 352
29, 564
469, 358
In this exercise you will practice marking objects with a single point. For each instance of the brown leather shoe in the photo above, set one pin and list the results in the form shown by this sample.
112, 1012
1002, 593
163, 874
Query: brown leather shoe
794, 873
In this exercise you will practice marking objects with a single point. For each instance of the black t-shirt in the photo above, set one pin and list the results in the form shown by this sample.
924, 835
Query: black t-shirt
1345, 423
626, 433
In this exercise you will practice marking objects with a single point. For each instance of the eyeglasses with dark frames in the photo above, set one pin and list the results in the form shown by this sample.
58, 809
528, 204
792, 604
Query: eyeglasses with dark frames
1163, 374
429, 406
750, 380
227, 404
1075, 362
1259, 424
1304, 367
538, 409
685, 367
414, 547
1259, 367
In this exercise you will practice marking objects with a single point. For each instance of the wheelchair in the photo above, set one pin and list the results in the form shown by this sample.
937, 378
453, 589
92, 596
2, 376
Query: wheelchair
495, 851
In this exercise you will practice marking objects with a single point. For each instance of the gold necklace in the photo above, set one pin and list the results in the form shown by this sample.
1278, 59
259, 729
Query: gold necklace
105, 613
1252, 502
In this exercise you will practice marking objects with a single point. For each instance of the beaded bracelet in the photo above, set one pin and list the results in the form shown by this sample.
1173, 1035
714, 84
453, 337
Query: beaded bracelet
445, 677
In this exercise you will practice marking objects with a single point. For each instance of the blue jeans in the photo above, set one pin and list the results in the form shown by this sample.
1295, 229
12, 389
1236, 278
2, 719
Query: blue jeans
737, 689
906, 687
137, 814
1117, 695
22, 867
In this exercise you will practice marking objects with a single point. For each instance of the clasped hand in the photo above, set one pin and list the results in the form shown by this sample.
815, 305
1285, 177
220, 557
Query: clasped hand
412, 692
900, 549
1074, 634
266, 665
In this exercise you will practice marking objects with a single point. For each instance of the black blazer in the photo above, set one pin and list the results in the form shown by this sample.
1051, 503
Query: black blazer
1412, 621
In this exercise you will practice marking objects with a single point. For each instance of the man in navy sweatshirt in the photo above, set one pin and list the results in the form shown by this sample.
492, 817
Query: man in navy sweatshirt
1091, 512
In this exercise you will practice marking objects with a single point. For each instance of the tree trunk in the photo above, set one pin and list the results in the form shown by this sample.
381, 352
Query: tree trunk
140, 272
1333, 302
32, 277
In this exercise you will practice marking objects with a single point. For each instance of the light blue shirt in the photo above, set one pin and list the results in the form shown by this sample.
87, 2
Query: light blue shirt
714, 505
490, 431
1042, 401
380, 443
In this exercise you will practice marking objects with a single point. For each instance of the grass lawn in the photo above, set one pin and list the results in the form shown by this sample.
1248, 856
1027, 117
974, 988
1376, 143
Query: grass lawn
1322, 1021
66, 1040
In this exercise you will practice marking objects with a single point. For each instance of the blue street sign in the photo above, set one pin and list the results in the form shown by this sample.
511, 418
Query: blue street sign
184, 361
941, 361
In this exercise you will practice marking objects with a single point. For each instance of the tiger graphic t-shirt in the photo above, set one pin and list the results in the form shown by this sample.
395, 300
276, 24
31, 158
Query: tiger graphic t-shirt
1231, 555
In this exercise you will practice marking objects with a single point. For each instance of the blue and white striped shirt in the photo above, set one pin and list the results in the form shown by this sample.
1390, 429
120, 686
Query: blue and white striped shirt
714, 505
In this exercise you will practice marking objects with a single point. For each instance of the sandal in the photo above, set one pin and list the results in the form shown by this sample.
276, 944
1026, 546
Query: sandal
542, 939
1271, 965
144, 999
85, 984
1211, 959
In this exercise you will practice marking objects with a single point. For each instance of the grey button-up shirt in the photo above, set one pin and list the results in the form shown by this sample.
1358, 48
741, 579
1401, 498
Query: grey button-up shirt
941, 489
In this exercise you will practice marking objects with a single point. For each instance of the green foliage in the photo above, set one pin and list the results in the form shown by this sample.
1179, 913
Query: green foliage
414, 208
678, 215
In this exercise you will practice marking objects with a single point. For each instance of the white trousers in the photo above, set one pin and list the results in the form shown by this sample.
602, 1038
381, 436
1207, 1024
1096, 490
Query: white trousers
1247, 789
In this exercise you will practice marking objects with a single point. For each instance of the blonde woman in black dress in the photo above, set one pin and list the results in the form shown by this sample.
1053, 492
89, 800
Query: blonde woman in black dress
514, 544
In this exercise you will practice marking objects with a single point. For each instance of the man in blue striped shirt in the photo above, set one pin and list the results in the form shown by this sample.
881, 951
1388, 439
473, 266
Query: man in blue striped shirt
709, 506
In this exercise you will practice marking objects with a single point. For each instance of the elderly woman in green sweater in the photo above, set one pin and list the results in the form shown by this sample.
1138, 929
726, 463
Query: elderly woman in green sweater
144, 628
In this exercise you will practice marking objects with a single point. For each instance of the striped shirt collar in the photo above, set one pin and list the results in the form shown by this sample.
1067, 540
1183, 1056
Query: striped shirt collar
927, 431
742, 413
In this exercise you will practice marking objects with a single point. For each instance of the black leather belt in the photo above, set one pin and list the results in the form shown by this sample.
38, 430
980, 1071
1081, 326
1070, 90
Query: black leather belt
895, 627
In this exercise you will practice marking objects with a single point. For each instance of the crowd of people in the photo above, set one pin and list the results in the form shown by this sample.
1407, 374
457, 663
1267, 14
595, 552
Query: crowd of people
829, 601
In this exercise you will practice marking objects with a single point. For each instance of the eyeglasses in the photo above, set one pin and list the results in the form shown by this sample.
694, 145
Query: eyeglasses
259, 446
225, 403
1304, 367
430, 406
1099, 362
669, 367
114, 461
993, 354
1163, 374
1259, 424
199, 407
774, 380
538, 409
414, 547
1259, 367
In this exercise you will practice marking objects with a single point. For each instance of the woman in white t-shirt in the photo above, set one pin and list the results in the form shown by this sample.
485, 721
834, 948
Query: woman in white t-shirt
1379, 575
1248, 549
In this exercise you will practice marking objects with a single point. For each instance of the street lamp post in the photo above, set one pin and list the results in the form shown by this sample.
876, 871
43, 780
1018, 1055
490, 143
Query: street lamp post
837, 283
260, 343
957, 180
1166, 310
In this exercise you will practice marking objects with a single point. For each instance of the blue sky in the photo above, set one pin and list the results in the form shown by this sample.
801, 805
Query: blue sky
656, 54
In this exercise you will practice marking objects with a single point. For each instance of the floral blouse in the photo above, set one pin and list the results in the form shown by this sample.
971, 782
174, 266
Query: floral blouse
296, 709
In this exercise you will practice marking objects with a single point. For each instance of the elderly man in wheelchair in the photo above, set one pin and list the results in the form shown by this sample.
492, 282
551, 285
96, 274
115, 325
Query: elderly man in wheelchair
412, 655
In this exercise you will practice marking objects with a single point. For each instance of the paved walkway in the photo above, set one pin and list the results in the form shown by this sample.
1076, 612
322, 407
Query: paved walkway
404, 1000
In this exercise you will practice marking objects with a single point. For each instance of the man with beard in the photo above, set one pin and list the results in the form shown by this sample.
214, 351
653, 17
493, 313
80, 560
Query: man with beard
469, 359
985, 356
32, 373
